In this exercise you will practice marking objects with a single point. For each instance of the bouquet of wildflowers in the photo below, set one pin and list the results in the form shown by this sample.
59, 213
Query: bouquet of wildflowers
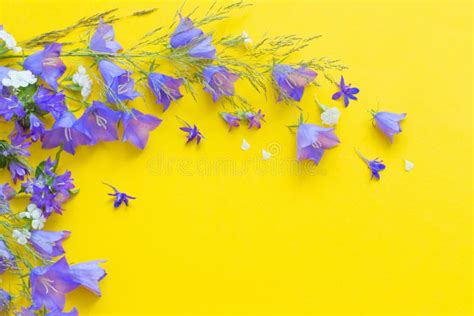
44, 101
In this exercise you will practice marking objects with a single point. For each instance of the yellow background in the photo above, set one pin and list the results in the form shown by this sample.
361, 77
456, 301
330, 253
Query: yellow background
270, 237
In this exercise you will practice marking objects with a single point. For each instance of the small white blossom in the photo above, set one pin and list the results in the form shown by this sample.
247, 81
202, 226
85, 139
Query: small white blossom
35, 214
409, 165
21, 236
266, 155
82, 79
17, 79
245, 145
246, 38
10, 41
330, 116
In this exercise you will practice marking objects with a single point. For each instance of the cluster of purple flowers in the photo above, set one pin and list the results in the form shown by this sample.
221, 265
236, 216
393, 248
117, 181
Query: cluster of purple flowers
13, 158
52, 279
312, 140
26, 102
48, 189
233, 119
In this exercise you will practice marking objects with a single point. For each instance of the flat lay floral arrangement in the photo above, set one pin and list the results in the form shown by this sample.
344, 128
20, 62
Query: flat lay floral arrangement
42, 100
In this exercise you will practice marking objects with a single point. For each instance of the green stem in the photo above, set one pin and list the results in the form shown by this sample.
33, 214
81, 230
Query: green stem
361, 156
75, 54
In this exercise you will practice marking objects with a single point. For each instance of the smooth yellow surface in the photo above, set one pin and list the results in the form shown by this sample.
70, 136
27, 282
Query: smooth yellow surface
216, 230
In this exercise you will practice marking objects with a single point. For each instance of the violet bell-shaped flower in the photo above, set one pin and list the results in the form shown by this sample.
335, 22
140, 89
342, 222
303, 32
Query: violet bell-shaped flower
103, 39
48, 243
47, 64
185, 33
99, 123
187, 36
219, 81
137, 126
388, 123
65, 132
165, 88
231, 119
292, 81
119, 84
312, 140
50, 101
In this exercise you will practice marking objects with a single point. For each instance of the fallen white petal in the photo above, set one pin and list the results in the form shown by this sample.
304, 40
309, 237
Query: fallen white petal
245, 145
409, 165
266, 155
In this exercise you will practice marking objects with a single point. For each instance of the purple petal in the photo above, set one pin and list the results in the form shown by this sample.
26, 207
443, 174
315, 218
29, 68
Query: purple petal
137, 127
88, 274
48, 243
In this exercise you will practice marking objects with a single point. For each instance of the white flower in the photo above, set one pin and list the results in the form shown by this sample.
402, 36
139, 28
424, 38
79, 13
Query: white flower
245, 145
246, 38
330, 116
82, 79
17, 79
35, 214
10, 41
266, 155
409, 165
21, 236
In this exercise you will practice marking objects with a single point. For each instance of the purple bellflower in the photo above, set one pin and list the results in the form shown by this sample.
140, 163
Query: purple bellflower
18, 170
254, 118
375, 165
137, 126
36, 127
89, 274
120, 86
14, 156
50, 284
203, 49
292, 81
50, 101
48, 243
165, 88
65, 132
47, 64
346, 91
10, 106
120, 197
185, 33
198, 44
219, 81
99, 123
103, 39
19, 134
231, 119
388, 123
312, 140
